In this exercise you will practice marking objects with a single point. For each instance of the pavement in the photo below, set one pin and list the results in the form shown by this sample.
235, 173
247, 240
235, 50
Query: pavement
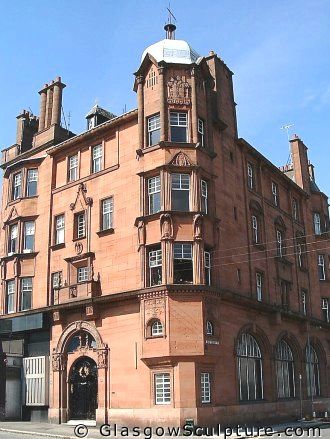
65, 431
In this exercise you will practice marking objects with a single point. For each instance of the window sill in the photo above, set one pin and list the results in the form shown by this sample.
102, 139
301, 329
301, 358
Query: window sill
151, 337
106, 232
57, 246
259, 246
79, 239
19, 255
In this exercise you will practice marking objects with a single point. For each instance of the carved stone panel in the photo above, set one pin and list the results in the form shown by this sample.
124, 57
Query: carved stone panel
154, 308
178, 90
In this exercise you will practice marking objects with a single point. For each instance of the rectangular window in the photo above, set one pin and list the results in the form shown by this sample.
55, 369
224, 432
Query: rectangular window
162, 382
279, 240
155, 267
180, 192
154, 194
304, 302
59, 229
205, 388
250, 176
183, 264
317, 223
56, 284
204, 194
97, 158
321, 266
32, 182
80, 225
29, 232
12, 240
295, 209
325, 309
178, 125
17, 186
73, 168
255, 230
82, 274
201, 132
153, 129
275, 193
259, 284
107, 213
26, 293
10, 297
207, 266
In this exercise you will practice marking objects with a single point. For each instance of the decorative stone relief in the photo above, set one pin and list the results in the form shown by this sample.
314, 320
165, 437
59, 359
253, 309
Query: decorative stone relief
180, 159
141, 233
81, 193
166, 226
58, 362
178, 90
102, 358
79, 248
198, 227
154, 308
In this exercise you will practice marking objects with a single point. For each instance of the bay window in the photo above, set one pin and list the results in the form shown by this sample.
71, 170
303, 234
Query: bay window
153, 129
29, 232
154, 194
179, 126
10, 296
180, 188
26, 293
13, 239
17, 186
32, 182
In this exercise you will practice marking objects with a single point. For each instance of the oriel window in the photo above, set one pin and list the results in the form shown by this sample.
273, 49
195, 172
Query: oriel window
179, 126
153, 129
155, 266
180, 192
183, 264
32, 182
154, 194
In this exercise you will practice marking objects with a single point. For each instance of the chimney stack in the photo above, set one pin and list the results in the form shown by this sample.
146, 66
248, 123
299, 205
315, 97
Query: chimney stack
27, 126
300, 163
51, 104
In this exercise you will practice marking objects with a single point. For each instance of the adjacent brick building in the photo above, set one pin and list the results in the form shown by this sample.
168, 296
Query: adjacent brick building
157, 268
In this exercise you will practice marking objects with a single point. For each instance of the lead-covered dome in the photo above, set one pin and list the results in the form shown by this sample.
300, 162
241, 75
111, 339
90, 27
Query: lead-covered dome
172, 51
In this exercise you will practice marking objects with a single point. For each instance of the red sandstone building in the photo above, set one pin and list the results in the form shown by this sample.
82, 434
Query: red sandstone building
157, 268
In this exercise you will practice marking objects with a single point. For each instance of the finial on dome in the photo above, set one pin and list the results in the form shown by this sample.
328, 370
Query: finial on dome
169, 26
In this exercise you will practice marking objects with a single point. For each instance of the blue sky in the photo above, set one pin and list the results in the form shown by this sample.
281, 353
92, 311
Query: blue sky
279, 51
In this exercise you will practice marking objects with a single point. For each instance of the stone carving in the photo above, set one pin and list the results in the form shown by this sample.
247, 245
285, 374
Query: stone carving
102, 358
154, 308
56, 316
58, 362
198, 227
166, 226
180, 159
82, 190
178, 90
141, 233
76, 327
79, 248
12, 214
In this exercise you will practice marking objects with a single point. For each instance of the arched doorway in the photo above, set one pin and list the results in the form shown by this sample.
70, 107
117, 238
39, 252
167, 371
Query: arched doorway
83, 389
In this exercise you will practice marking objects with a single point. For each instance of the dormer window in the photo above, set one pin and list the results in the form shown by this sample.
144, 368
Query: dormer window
91, 123
179, 126
17, 186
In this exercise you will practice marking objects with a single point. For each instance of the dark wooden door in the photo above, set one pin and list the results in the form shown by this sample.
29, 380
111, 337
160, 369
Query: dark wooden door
83, 389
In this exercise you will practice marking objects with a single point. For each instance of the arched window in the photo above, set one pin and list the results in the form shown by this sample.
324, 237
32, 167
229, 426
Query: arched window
209, 328
156, 328
81, 339
312, 371
249, 368
284, 370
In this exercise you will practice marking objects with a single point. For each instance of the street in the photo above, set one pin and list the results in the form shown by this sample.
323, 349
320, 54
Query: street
94, 434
